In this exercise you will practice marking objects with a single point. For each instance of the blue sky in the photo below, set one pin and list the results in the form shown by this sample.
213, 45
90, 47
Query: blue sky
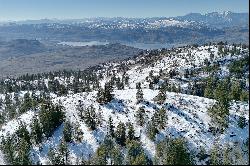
61, 9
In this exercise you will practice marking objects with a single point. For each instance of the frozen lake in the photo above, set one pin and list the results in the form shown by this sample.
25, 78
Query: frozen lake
79, 44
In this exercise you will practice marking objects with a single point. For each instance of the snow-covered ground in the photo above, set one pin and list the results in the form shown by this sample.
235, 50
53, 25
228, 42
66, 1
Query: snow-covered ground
187, 117
187, 114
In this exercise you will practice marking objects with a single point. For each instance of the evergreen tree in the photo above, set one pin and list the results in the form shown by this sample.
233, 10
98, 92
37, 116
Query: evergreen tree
8, 148
104, 95
219, 115
161, 97
11, 110
140, 116
120, 134
136, 155
90, 117
27, 103
215, 158
64, 152
173, 152
151, 85
23, 133
151, 130
67, 131
100, 96
107, 93
202, 155
51, 116
138, 85
226, 155
23, 153
78, 133
208, 92
100, 157
235, 91
116, 156
99, 117
139, 95
242, 121
162, 118
36, 131
131, 132
110, 127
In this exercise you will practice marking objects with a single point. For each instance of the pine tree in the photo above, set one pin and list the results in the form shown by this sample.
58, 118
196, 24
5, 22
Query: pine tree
100, 156
242, 121
90, 117
161, 97
51, 116
226, 155
36, 131
139, 95
151, 85
116, 156
107, 93
99, 117
215, 158
11, 110
138, 85
173, 152
162, 118
219, 115
27, 103
8, 148
202, 155
151, 130
23, 133
80, 109
104, 95
100, 96
23, 153
67, 132
235, 91
136, 155
120, 134
140, 116
131, 132
110, 127
78, 133
64, 152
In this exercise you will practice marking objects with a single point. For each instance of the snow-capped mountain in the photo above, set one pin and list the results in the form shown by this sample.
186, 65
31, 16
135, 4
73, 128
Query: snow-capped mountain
191, 28
218, 19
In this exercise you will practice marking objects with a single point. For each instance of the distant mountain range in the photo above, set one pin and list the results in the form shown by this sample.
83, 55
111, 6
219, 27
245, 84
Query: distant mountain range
191, 28
218, 20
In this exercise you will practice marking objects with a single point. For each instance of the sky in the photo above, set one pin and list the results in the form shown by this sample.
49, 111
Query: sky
69, 9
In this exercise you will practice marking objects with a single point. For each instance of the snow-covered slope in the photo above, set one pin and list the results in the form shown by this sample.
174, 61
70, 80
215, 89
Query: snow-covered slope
187, 117
187, 114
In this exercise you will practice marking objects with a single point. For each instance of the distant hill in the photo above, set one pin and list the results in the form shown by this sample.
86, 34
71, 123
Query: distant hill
20, 47
218, 20
31, 56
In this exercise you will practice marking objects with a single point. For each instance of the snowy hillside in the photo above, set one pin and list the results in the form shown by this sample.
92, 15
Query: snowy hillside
180, 76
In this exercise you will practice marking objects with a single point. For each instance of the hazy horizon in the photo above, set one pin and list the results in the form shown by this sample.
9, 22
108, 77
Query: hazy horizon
22, 10
60, 19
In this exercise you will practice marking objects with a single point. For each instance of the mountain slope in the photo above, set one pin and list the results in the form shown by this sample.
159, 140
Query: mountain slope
188, 114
